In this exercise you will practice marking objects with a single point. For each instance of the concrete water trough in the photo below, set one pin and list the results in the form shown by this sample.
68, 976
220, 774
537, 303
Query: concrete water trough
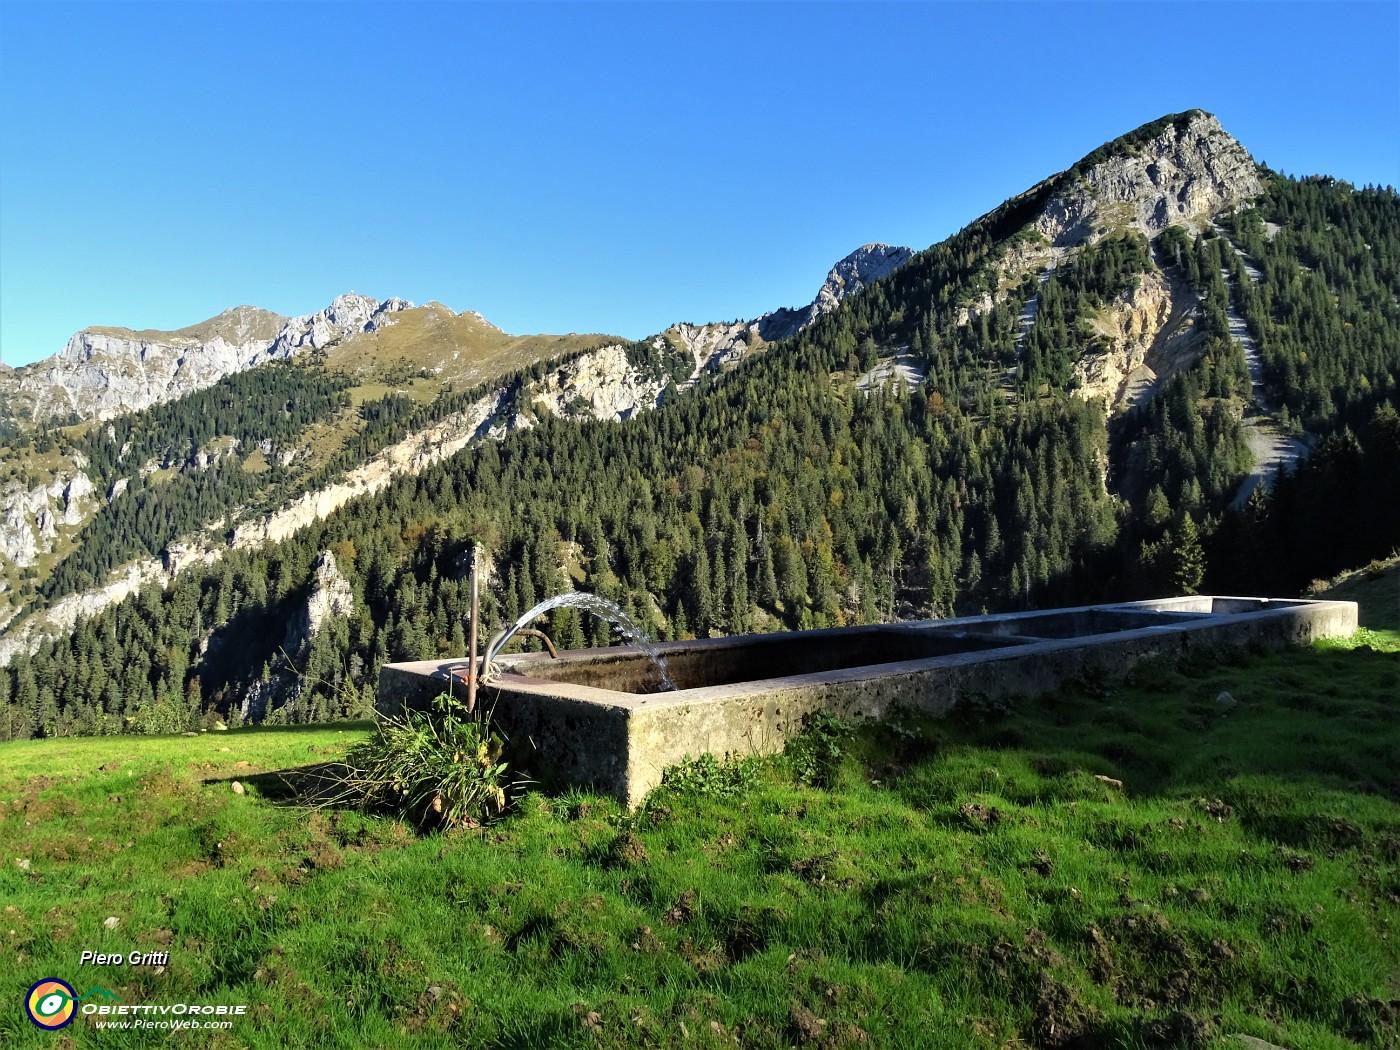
596, 717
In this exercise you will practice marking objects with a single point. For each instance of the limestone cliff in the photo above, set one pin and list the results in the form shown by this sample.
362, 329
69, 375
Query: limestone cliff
330, 596
716, 345
30, 515
104, 372
1184, 175
1146, 335
603, 384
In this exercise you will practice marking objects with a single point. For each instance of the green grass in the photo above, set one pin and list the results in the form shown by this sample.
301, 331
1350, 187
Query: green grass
969, 882
1376, 589
455, 347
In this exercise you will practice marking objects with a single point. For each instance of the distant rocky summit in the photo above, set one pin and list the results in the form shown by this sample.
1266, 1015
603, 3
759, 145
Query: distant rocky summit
862, 267
1188, 172
104, 372
714, 345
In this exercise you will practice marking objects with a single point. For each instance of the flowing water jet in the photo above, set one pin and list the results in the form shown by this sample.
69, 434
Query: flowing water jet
628, 628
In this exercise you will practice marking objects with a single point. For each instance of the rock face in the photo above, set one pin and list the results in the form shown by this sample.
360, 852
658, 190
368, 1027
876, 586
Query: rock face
1149, 333
1182, 177
716, 345
29, 517
861, 268
602, 384
57, 621
104, 372
330, 596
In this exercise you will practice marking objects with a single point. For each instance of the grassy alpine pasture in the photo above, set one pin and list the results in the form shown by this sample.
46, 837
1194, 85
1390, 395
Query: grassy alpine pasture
970, 882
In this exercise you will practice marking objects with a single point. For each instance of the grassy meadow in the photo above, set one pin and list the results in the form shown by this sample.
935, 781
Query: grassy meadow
1136, 863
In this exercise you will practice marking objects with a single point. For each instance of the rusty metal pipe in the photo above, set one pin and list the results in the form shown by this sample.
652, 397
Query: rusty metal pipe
530, 632
476, 609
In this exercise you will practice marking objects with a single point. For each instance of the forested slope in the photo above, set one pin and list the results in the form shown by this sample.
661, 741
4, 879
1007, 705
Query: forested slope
780, 496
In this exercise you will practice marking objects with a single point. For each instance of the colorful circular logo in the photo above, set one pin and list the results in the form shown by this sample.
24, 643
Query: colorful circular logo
50, 1004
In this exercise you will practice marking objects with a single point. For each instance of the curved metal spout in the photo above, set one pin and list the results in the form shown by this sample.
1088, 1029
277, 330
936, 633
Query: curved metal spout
591, 603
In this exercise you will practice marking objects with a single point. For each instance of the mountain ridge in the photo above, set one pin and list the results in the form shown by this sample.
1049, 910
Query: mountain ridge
960, 307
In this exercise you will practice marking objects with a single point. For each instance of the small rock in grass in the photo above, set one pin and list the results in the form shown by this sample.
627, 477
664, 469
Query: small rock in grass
22, 863
588, 1019
237, 788
1225, 701
111, 922
1248, 1042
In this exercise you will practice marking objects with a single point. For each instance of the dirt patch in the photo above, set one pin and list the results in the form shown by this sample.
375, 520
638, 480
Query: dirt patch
1040, 863
645, 941
1062, 1019
437, 1009
1179, 1030
1372, 1020
626, 851
1101, 964
814, 869
746, 934
322, 853
1216, 809
323, 856
683, 910
707, 959
979, 817
804, 1026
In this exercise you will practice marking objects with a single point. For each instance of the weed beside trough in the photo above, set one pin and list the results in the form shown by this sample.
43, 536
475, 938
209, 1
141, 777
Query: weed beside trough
437, 769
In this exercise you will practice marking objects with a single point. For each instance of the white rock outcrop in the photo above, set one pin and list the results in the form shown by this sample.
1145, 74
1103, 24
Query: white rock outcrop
602, 384
413, 453
1182, 176
1149, 334
29, 517
105, 372
331, 595
716, 345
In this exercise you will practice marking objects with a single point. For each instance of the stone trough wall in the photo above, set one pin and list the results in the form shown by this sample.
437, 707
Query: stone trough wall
596, 730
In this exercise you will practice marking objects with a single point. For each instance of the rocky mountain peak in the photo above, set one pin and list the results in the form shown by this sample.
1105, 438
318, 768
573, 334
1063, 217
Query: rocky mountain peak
862, 267
106, 371
1180, 170
720, 344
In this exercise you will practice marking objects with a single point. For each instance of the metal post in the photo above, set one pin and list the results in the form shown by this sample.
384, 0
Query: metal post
476, 590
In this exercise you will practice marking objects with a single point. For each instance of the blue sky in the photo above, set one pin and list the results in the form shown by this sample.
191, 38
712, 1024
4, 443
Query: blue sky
597, 167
